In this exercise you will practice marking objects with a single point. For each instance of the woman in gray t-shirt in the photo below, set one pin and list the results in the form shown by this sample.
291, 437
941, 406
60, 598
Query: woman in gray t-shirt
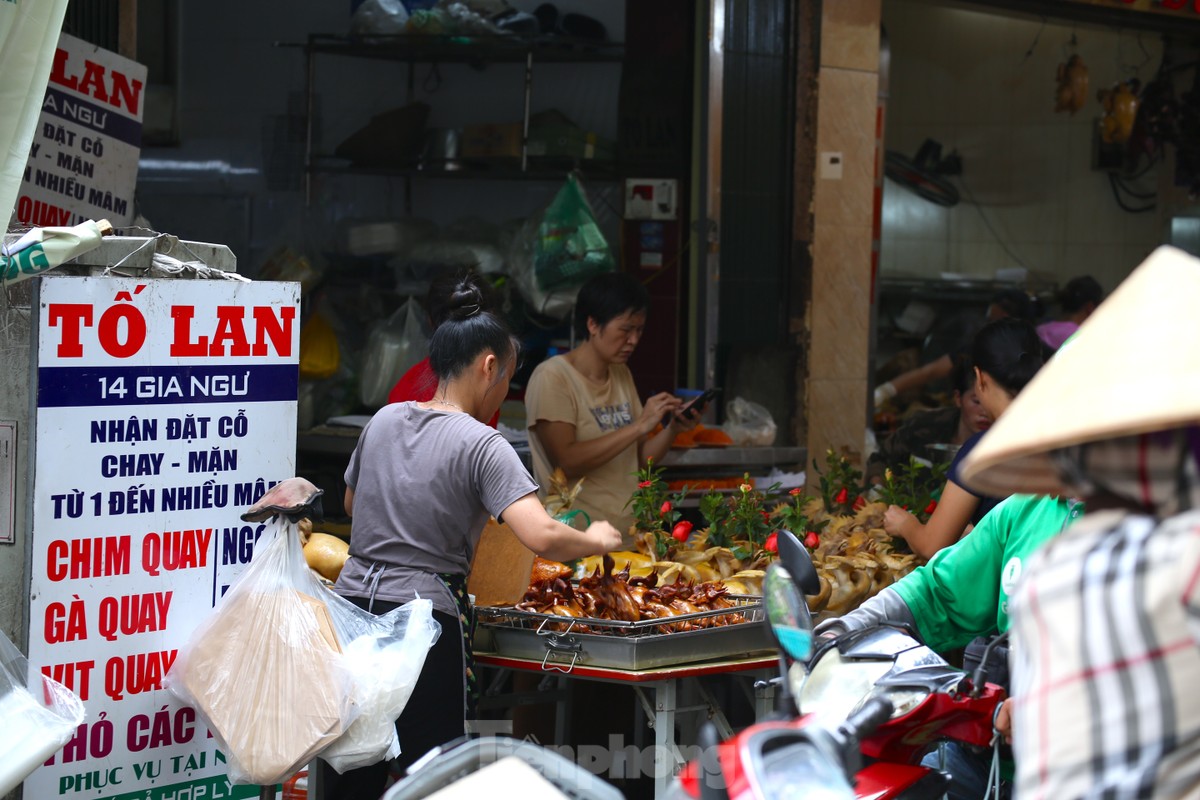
421, 485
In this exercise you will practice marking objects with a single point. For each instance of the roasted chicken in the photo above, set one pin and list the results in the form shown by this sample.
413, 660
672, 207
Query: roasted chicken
609, 595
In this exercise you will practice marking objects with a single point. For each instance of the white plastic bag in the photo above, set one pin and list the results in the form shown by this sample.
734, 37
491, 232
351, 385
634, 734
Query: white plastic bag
749, 424
39, 715
386, 660
393, 347
265, 670
379, 17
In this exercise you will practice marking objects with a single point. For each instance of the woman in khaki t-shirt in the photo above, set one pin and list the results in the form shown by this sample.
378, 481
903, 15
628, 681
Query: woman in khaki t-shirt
583, 409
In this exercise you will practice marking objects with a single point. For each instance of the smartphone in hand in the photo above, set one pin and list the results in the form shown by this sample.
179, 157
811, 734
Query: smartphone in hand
691, 407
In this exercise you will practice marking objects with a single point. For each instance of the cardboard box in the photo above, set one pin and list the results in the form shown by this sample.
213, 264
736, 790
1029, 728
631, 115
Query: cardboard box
501, 569
567, 141
501, 140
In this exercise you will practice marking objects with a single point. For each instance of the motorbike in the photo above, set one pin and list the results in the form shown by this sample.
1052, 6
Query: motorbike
470, 768
857, 711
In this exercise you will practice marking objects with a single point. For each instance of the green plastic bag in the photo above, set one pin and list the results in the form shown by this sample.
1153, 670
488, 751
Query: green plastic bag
569, 246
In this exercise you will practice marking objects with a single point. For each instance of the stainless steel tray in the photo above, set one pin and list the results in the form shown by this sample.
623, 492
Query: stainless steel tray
562, 643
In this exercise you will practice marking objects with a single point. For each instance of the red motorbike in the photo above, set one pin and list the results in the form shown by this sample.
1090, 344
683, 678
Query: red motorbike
868, 705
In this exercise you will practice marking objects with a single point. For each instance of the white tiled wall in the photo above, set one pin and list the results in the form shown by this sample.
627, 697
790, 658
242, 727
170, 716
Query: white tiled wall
963, 78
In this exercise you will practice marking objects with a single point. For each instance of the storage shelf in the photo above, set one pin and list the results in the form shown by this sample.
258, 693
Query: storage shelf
473, 50
540, 169
958, 288
416, 48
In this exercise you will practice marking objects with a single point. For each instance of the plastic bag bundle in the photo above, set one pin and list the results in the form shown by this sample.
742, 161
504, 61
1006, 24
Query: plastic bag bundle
558, 250
450, 18
381, 17
265, 671
570, 246
386, 657
749, 424
395, 345
39, 717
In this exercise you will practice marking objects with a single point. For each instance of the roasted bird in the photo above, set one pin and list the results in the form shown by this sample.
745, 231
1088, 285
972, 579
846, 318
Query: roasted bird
562, 493
609, 595
855, 559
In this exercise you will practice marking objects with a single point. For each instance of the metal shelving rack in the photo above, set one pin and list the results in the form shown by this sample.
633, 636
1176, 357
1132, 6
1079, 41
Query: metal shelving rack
473, 50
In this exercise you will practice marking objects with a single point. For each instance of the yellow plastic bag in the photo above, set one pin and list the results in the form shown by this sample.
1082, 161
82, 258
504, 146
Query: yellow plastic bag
319, 354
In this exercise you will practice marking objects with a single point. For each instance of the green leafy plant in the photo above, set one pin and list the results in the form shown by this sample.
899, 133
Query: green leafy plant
791, 517
841, 484
654, 509
714, 507
648, 498
914, 487
742, 517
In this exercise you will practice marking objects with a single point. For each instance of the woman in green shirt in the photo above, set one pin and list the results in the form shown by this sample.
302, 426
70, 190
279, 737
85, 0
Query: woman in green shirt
962, 594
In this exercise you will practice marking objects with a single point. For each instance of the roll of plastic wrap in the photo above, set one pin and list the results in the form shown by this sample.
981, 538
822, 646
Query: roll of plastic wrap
371, 238
388, 237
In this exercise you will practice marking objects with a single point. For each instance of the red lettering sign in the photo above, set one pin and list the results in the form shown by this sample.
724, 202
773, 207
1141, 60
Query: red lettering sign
113, 88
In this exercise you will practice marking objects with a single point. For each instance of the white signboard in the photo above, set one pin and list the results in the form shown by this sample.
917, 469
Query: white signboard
84, 158
164, 409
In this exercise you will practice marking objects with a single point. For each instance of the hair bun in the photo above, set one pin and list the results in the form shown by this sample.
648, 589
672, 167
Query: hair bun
465, 302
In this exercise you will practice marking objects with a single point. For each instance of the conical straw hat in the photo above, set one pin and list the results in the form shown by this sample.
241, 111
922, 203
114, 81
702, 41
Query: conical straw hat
1133, 367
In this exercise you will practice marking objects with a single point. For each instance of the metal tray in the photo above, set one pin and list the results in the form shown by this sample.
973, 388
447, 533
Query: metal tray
562, 643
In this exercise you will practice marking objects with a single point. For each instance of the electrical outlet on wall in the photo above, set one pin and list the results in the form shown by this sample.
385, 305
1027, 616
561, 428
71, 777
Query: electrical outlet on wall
830, 166
651, 198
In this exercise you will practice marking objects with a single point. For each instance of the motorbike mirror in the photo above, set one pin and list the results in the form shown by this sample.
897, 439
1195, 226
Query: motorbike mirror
787, 613
798, 562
